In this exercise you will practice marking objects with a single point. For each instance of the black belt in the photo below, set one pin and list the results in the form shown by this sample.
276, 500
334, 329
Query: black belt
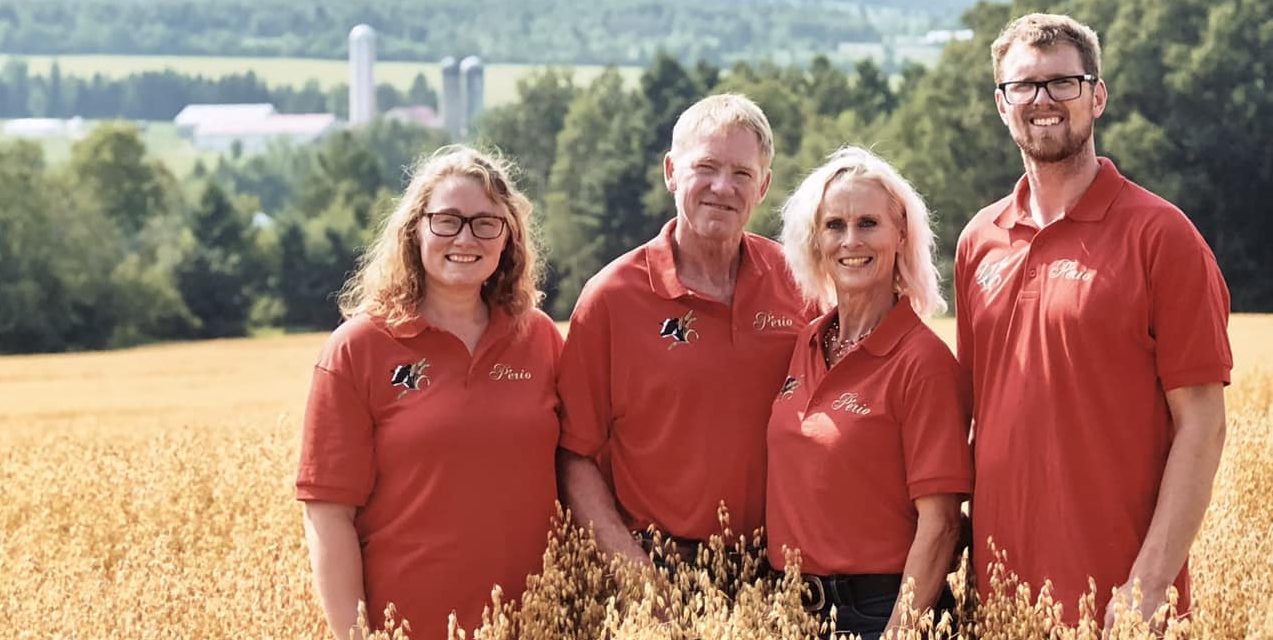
845, 589
686, 550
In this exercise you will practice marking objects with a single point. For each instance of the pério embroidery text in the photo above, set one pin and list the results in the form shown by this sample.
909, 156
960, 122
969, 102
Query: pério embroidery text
1069, 270
765, 320
849, 402
504, 372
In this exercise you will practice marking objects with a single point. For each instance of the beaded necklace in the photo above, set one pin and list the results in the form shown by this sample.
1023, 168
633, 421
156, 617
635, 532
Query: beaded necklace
834, 349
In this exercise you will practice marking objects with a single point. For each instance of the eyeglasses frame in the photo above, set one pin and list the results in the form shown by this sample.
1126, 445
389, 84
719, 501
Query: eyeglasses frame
466, 220
1043, 84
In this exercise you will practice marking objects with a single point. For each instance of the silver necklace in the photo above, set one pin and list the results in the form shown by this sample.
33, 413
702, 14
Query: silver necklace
833, 348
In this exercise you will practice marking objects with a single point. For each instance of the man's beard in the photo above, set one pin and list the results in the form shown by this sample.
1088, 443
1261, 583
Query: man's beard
1050, 150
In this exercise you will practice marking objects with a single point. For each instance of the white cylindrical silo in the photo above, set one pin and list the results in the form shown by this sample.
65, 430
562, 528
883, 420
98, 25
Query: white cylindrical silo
452, 99
474, 81
362, 78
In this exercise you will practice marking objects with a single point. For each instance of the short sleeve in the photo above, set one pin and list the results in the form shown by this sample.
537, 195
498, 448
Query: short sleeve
337, 452
583, 380
935, 417
1189, 307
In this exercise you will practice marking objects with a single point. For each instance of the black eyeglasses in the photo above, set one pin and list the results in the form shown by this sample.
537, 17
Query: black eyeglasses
484, 226
1061, 89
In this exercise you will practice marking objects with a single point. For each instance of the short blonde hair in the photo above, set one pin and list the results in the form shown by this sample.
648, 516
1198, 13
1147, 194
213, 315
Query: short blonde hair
389, 282
722, 112
917, 275
1043, 30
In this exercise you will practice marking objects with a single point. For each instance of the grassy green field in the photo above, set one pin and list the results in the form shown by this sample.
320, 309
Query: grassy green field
501, 79
162, 142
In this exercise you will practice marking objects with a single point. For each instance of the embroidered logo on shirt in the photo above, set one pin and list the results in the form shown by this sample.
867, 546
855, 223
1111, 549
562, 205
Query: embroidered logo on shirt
850, 402
766, 320
505, 372
990, 274
1070, 270
789, 387
410, 376
680, 330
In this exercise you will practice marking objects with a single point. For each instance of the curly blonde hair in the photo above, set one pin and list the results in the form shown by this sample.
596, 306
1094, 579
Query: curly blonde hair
389, 282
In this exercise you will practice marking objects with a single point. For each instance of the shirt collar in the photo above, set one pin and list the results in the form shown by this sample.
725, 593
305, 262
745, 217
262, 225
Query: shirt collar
1091, 207
885, 337
499, 323
661, 262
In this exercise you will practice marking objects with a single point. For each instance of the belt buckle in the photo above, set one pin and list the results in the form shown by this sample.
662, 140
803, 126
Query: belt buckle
815, 587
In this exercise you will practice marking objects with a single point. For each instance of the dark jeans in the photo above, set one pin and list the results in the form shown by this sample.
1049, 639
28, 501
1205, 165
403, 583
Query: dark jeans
867, 616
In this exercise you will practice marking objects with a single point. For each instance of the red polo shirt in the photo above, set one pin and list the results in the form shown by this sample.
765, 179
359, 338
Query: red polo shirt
851, 449
448, 457
679, 386
1072, 334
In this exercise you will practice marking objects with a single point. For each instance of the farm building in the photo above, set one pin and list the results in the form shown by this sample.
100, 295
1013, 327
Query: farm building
217, 127
45, 128
422, 115
195, 115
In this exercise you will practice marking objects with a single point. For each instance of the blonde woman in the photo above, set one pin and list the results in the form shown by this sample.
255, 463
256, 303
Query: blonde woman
426, 465
867, 445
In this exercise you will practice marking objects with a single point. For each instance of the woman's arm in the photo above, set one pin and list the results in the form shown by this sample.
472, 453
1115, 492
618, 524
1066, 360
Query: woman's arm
928, 561
336, 559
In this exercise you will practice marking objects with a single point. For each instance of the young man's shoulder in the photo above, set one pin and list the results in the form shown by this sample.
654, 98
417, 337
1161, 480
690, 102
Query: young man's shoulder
985, 219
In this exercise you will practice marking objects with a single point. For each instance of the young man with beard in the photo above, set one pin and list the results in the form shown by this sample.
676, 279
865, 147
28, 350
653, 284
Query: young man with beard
1092, 318
677, 349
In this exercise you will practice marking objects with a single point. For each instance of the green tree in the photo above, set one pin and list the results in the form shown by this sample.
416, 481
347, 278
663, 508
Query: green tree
828, 88
947, 138
667, 89
114, 176
527, 130
594, 198
218, 277
421, 93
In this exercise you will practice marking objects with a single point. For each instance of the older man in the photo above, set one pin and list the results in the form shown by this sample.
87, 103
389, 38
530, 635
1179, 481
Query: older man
1092, 316
677, 349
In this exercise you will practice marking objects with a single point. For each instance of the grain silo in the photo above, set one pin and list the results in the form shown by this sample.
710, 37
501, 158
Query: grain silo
452, 100
362, 78
474, 79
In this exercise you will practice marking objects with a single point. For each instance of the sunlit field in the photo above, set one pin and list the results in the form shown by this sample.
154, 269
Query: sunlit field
148, 494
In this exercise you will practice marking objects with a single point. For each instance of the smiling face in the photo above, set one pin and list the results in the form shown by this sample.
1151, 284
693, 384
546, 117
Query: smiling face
1047, 130
858, 234
461, 262
717, 179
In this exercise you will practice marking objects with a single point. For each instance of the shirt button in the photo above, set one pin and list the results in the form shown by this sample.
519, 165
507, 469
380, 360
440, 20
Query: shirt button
1034, 272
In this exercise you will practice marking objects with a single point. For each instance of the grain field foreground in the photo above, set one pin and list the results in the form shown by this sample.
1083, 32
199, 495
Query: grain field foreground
148, 494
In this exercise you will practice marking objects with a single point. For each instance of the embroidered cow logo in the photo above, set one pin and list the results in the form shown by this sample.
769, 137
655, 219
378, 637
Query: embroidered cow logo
789, 387
680, 330
990, 274
410, 376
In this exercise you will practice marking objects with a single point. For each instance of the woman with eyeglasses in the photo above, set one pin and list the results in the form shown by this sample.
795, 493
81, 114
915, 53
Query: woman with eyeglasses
427, 456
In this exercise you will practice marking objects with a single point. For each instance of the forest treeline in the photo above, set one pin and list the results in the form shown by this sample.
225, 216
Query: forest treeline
160, 95
531, 31
110, 248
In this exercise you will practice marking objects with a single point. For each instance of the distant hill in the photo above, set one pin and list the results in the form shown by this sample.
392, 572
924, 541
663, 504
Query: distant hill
510, 31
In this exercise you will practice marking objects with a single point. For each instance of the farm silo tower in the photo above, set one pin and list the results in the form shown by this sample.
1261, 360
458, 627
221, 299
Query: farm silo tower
474, 79
452, 101
362, 78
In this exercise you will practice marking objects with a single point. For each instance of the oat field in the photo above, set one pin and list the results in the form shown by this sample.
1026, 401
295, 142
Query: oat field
148, 494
